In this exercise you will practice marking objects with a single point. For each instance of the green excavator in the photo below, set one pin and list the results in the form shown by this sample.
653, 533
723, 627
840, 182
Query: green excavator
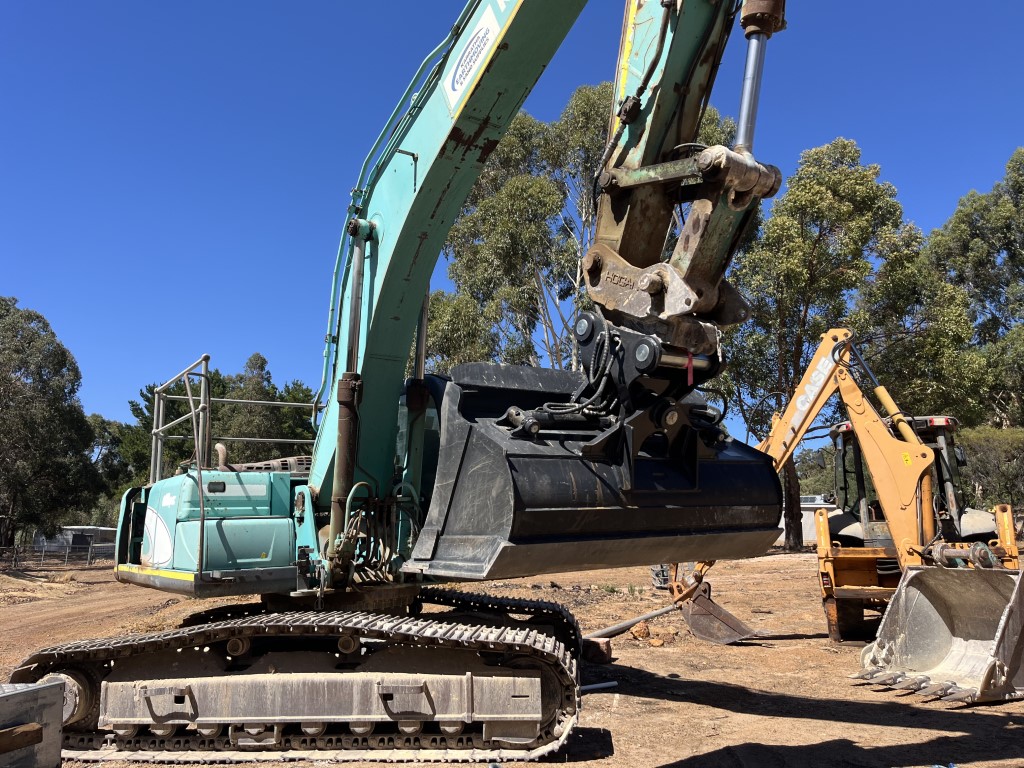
492, 472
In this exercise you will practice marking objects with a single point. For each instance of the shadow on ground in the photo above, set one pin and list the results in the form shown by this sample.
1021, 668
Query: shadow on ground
976, 733
843, 753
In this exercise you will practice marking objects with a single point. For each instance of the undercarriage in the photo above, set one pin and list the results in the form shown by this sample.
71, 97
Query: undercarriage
497, 679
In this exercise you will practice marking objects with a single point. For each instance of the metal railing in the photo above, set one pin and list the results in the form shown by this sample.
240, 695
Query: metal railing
199, 412
54, 554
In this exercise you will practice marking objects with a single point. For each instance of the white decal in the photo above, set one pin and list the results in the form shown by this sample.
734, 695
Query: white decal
818, 378
157, 547
474, 54
168, 500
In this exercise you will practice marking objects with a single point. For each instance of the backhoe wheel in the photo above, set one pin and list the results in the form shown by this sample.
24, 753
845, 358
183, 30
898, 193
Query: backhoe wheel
845, 619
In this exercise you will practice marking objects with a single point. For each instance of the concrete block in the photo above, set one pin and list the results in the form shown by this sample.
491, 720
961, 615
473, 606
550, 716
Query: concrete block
30, 724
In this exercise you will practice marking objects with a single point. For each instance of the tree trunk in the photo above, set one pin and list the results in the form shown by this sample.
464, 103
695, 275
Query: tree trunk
7, 526
791, 507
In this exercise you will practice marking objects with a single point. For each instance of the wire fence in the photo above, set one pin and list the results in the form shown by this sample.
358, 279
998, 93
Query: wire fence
51, 555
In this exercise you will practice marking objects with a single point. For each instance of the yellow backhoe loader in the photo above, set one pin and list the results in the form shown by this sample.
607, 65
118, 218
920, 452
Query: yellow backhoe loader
951, 575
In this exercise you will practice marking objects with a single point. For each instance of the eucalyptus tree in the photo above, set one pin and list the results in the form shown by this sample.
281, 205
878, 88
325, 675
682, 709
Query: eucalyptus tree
815, 251
46, 441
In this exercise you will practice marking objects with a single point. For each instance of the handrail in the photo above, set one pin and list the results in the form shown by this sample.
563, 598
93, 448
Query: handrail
199, 414
237, 401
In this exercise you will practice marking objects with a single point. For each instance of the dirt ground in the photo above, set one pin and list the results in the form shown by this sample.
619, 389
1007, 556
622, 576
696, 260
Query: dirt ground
781, 700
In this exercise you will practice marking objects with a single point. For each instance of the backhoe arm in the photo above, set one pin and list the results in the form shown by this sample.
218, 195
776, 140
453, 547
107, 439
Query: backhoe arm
900, 469
816, 386
899, 464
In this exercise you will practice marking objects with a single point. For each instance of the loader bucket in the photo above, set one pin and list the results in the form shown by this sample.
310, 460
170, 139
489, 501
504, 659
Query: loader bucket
953, 633
571, 498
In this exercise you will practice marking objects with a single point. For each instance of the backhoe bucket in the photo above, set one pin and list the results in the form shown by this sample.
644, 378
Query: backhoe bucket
955, 633
572, 497
710, 622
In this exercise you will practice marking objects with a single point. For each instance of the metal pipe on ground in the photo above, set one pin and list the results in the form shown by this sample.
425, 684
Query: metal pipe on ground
617, 629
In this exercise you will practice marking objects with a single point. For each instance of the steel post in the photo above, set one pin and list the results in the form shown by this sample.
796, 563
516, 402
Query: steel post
360, 231
203, 436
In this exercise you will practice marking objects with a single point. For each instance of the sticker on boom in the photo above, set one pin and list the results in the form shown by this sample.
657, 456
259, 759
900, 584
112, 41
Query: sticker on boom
478, 49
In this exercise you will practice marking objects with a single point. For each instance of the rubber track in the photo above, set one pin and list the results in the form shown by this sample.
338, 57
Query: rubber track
188, 747
566, 627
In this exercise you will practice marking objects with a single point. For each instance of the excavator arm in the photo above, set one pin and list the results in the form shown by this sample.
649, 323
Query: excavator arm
652, 167
900, 465
493, 471
578, 468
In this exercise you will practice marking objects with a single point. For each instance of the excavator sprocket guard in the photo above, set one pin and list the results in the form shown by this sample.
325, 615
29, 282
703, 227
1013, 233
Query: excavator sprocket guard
952, 633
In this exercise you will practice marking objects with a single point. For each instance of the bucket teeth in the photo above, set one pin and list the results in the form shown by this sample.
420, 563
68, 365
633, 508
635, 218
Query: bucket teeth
866, 673
936, 689
913, 683
888, 679
961, 694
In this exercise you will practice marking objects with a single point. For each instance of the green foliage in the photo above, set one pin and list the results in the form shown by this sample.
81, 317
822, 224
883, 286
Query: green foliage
816, 470
109, 460
459, 333
995, 466
507, 262
917, 333
982, 249
813, 254
295, 422
979, 254
46, 440
254, 383
715, 129
1004, 396
515, 250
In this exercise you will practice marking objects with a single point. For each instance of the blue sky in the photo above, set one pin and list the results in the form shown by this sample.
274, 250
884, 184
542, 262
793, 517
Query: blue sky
174, 176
